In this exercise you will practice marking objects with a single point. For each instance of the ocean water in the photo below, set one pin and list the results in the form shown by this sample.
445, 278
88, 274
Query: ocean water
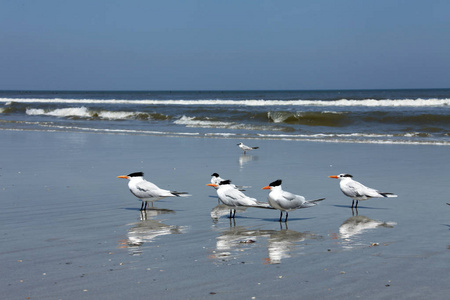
358, 116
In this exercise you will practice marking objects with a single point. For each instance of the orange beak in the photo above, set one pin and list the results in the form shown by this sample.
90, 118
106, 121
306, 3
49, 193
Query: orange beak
267, 187
123, 176
333, 176
212, 184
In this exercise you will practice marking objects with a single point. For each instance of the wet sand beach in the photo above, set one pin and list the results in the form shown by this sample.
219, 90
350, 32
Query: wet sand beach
72, 230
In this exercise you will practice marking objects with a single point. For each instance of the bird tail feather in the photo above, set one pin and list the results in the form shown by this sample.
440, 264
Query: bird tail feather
317, 200
262, 205
389, 195
181, 194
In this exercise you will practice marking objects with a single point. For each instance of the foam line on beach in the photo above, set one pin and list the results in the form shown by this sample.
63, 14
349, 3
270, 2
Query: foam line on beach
356, 138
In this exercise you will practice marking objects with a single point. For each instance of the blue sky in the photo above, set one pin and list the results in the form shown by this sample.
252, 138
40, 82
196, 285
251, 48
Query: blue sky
224, 45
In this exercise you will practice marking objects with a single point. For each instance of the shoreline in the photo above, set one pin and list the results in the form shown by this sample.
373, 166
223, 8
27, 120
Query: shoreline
232, 136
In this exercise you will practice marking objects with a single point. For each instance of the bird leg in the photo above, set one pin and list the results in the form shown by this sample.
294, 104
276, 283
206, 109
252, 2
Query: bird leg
356, 206
353, 202
285, 220
281, 215
142, 205
234, 213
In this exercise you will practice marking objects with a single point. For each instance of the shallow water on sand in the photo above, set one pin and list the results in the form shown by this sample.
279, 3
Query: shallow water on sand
71, 229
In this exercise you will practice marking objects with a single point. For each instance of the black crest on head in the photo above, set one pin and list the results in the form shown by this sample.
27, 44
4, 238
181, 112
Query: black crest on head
276, 183
225, 182
347, 175
215, 175
136, 174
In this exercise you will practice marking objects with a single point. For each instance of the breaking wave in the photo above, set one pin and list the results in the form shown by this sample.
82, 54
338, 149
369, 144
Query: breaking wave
85, 113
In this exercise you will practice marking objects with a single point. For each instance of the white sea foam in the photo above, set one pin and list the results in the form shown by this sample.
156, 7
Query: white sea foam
333, 103
116, 115
82, 112
192, 122
329, 135
356, 138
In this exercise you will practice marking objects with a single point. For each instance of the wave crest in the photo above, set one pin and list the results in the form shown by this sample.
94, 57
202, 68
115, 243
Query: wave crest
85, 113
331, 119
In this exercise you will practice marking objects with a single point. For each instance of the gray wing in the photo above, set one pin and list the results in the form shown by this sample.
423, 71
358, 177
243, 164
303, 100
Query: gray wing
146, 189
356, 189
291, 201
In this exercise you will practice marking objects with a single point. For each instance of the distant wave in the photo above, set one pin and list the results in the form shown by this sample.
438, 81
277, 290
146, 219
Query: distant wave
196, 122
83, 112
326, 118
324, 103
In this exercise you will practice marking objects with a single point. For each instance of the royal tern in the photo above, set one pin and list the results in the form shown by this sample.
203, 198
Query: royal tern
233, 198
246, 148
147, 191
216, 179
285, 201
358, 191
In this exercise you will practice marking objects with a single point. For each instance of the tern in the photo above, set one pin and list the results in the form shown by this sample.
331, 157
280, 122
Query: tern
286, 201
358, 191
216, 179
233, 198
246, 148
147, 191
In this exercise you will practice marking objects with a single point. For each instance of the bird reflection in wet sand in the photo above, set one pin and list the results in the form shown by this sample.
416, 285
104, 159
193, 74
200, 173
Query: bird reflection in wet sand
357, 225
236, 240
245, 159
147, 229
223, 210
282, 243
